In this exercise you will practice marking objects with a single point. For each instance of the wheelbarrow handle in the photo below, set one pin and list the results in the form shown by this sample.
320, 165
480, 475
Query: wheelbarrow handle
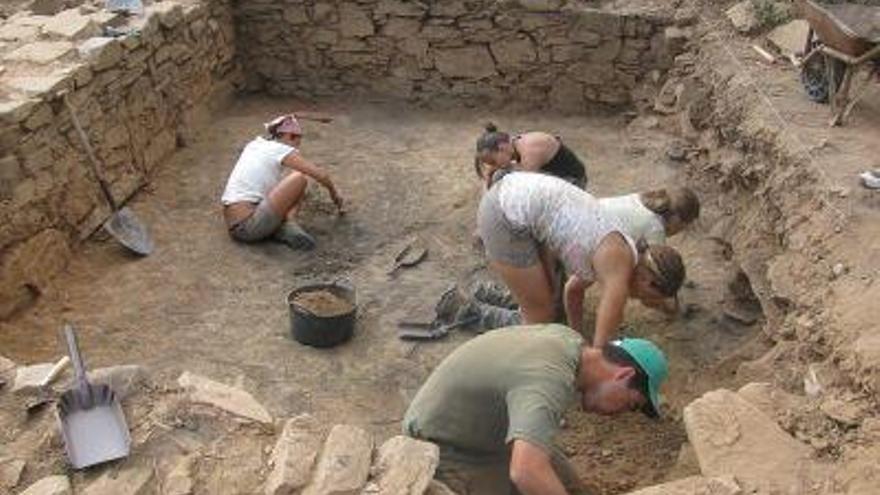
79, 367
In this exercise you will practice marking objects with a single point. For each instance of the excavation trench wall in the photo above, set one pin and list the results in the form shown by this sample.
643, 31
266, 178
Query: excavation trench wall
134, 95
537, 53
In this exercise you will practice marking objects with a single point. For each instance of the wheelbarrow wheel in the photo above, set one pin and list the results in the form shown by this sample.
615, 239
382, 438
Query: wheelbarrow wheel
814, 77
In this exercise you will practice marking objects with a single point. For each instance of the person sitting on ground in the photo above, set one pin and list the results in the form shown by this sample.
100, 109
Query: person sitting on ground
528, 221
653, 215
259, 201
531, 151
495, 404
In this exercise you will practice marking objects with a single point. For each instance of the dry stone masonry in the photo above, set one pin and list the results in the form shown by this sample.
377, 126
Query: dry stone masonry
538, 53
134, 82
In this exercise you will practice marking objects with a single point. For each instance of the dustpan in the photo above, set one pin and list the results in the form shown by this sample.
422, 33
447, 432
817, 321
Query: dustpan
92, 422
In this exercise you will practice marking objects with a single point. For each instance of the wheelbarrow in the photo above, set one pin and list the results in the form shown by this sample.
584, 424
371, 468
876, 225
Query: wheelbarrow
842, 40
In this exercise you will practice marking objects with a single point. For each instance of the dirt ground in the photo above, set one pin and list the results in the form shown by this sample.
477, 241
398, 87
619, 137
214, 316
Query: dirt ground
205, 304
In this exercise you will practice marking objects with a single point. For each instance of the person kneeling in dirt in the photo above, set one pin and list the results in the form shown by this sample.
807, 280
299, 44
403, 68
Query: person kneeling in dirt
259, 201
495, 404
530, 151
528, 221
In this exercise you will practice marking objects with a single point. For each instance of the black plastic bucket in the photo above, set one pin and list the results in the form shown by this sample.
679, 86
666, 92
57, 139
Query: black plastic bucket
322, 331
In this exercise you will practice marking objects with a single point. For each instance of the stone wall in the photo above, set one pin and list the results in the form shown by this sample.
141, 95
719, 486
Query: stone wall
537, 52
133, 93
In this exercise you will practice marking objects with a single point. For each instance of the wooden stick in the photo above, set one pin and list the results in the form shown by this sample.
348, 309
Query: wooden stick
765, 54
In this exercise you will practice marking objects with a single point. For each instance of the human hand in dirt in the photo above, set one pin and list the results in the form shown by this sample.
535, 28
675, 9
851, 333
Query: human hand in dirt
338, 201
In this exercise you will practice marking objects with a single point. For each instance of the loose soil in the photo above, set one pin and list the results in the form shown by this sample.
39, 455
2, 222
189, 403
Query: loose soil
323, 303
206, 304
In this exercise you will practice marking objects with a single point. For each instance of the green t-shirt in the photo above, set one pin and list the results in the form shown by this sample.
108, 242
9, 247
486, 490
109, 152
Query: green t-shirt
504, 385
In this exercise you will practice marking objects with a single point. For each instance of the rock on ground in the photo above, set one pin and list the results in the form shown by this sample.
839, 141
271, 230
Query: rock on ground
10, 473
743, 16
122, 379
790, 38
344, 464
695, 485
28, 378
438, 488
294, 455
130, 481
230, 399
180, 481
51, 485
731, 437
405, 466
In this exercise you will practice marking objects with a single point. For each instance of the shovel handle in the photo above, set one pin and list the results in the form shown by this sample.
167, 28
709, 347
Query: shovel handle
90, 153
79, 367
55, 371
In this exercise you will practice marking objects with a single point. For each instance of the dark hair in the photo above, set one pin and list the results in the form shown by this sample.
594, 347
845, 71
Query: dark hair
491, 139
617, 355
668, 267
681, 202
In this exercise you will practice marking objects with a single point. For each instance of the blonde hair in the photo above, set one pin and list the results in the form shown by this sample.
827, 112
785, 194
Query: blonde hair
681, 202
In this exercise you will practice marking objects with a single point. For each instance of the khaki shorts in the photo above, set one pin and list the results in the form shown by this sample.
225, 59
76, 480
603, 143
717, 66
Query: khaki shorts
261, 224
502, 241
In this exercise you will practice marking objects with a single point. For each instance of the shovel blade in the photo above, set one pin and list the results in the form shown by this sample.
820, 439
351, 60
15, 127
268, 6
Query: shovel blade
96, 434
126, 228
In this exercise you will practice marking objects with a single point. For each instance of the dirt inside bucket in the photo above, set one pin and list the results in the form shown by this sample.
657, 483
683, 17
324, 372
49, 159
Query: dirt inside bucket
323, 303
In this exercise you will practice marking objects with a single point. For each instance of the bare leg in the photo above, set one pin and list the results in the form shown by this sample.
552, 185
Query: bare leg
286, 197
531, 289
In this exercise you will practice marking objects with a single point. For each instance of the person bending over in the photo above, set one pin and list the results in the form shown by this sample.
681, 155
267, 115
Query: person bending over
530, 151
528, 221
494, 405
260, 201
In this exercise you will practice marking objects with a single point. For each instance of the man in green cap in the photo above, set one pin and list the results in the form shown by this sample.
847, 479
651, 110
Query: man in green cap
494, 405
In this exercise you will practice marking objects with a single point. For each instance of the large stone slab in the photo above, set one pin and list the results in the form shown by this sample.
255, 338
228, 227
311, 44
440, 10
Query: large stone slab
57, 80
514, 53
294, 455
130, 481
180, 480
10, 473
790, 38
230, 399
71, 25
28, 378
732, 437
18, 32
743, 16
471, 62
354, 21
344, 464
41, 52
51, 485
102, 52
405, 466
694, 485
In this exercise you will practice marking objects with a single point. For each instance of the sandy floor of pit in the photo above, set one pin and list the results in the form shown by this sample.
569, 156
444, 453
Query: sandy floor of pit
205, 304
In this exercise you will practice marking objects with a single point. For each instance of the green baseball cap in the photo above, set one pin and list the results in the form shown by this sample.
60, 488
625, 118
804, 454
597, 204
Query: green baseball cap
651, 363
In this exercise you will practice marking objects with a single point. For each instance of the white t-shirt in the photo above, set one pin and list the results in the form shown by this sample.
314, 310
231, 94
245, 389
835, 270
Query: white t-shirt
257, 171
563, 217
634, 218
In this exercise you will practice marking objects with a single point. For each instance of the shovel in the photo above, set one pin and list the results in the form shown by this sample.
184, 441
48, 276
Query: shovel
92, 422
409, 330
123, 225
408, 257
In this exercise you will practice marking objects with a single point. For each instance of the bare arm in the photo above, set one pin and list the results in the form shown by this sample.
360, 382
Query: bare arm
614, 267
300, 164
574, 302
532, 472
